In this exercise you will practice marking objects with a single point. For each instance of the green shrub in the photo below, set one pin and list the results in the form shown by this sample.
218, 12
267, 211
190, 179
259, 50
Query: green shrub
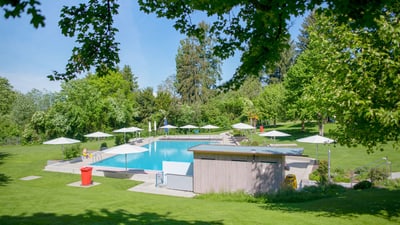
339, 175
103, 145
390, 184
72, 151
376, 175
119, 140
308, 193
321, 173
314, 176
365, 184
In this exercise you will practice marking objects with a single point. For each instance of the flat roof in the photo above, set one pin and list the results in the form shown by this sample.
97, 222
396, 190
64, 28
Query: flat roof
246, 149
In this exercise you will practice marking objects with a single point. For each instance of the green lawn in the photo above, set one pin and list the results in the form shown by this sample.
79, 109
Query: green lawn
48, 200
342, 157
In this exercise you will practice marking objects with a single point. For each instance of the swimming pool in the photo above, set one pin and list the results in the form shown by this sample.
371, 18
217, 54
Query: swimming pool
159, 151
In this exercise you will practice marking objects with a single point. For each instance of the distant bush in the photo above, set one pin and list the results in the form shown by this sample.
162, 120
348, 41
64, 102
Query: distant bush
103, 145
377, 175
72, 151
339, 175
365, 184
321, 173
119, 140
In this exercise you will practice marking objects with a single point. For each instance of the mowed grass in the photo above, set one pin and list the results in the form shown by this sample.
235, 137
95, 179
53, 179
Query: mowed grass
342, 157
49, 200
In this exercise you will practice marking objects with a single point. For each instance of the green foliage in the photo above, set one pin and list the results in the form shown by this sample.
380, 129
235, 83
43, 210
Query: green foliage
365, 184
357, 79
322, 171
197, 69
119, 140
72, 151
14, 9
22, 109
8, 128
258, 29
92, 25
270, 103
308, 193
377, 174
103, 145
339, 175
7, 96
391, 184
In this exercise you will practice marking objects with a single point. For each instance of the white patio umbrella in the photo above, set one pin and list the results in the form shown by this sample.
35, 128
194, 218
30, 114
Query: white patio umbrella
316, 139
168, 126
274, 134
61, 141
242, 126
127, 130
98, 134
125, 149
189, 126
209, 127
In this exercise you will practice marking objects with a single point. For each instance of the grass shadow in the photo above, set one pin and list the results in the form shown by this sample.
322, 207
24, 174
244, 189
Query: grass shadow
103, 216
4, 179
378, 202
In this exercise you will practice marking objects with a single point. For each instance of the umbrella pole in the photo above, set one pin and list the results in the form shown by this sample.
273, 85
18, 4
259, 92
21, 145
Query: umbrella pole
126, 164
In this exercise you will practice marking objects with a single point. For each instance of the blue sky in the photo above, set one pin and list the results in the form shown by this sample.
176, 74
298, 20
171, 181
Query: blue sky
148, 45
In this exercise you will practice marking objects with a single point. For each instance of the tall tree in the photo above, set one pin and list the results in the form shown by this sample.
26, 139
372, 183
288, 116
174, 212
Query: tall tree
22, 110
7, 96
301, 104
128, 75
197, 70
270, 103
146, 104
359, 82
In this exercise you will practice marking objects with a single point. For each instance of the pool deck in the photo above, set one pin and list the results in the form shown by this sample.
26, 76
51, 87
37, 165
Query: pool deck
147, 177
300, 166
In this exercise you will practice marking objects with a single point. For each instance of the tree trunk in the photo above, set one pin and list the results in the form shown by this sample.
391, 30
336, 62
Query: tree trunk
321, 128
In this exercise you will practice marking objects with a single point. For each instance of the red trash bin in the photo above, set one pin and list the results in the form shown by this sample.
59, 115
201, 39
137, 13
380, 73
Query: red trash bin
261, 129
86, 175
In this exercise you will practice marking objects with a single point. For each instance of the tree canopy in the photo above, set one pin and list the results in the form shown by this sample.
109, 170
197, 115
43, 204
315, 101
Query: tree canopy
258, 29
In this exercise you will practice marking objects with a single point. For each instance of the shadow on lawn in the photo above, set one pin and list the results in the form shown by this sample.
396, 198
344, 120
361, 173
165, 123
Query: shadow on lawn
103, 216
4, 179
382, 203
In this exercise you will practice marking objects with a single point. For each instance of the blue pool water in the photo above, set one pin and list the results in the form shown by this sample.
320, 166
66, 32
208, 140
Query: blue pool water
152, 160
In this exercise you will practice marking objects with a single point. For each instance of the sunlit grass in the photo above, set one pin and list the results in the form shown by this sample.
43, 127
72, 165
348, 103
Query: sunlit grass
49, 199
